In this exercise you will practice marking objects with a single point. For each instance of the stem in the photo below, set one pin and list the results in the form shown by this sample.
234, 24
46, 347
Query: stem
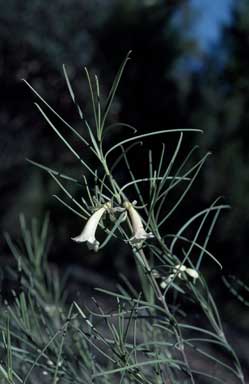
171, 317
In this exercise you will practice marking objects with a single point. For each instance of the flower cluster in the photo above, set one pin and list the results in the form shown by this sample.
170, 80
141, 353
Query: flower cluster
180, 271
89, 230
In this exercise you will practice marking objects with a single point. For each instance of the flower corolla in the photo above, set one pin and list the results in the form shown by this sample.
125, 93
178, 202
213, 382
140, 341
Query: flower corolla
179, 269
89, 230
139, 233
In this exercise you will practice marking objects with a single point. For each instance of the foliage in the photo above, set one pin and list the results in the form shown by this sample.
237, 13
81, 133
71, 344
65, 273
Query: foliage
149, 336
83, 33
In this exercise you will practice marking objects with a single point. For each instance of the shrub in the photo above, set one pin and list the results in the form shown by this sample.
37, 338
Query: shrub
166, 327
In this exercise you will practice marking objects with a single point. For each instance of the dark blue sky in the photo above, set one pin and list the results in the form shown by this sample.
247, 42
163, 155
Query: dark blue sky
211, 15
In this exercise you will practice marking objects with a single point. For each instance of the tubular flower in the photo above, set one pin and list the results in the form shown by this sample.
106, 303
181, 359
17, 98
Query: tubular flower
191, 272
88, 233
139, 233
179, 270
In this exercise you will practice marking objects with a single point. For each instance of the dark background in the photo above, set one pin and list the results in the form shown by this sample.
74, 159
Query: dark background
176, 79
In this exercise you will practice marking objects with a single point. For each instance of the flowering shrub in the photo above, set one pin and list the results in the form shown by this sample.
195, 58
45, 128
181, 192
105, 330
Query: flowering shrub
150, 336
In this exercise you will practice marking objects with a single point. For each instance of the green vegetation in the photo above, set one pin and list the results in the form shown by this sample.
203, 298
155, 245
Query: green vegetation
159, 328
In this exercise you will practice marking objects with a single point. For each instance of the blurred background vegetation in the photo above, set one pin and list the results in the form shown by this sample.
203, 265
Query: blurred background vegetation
171, 82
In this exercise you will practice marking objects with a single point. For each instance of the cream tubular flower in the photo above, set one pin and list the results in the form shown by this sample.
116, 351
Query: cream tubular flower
191, 272
137, 225
178, 271
89, 230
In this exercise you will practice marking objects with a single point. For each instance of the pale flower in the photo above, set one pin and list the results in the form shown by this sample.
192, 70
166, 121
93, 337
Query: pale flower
139, 233
163, 284
89, 230
166, 280
179, 269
